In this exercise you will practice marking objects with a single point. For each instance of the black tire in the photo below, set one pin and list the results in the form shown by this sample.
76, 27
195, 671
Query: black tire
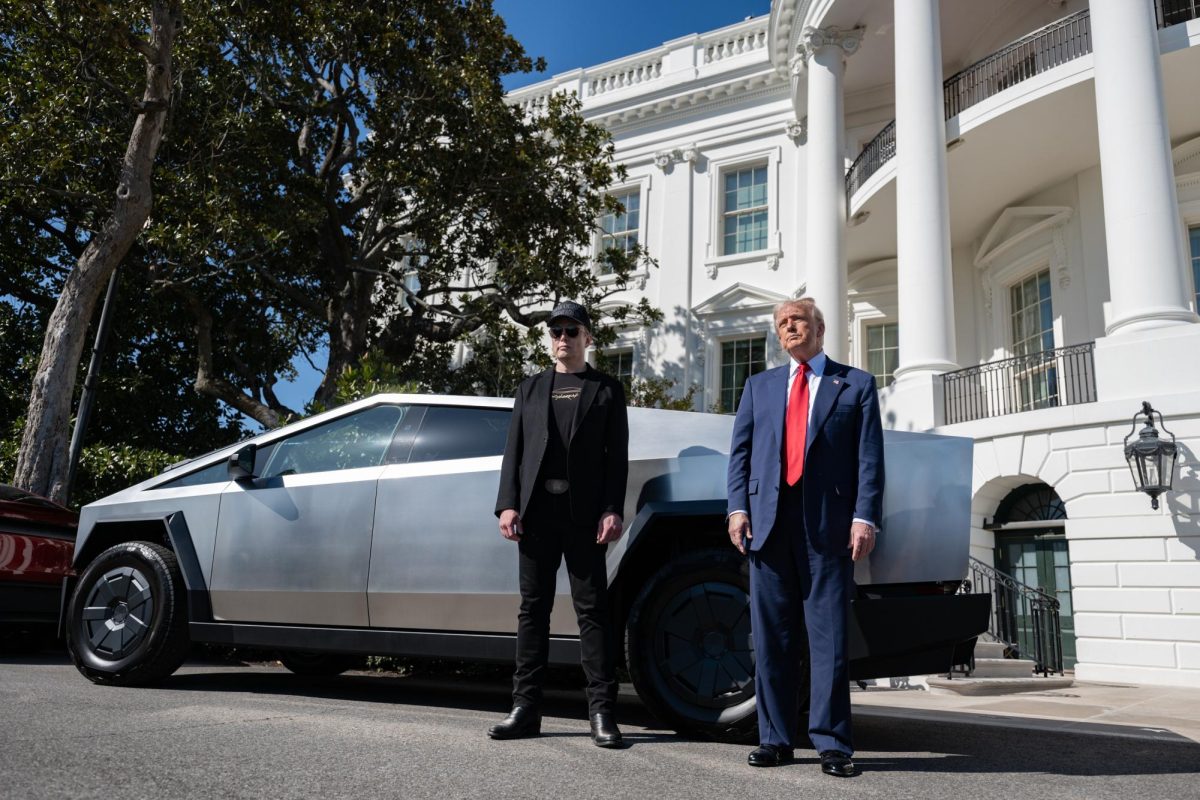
688, 646
319, 665
127, 619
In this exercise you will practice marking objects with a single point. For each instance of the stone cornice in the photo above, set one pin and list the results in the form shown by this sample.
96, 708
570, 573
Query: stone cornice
751, 87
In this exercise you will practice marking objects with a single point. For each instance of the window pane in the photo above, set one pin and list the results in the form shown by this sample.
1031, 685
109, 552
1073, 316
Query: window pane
1195, 240
882, 352
356, 441
740, 359
450, 432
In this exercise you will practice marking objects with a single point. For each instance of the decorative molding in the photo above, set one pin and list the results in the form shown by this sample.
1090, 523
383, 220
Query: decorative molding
686, 154
813, 39
739, 297
997, 241
797, 64
713, 269
773, 262
660, 112
797, 130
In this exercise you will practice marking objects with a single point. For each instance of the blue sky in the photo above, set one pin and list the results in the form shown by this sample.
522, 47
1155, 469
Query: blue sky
571, 34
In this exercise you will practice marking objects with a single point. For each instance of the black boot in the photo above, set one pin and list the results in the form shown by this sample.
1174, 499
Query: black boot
521, 722
605, 732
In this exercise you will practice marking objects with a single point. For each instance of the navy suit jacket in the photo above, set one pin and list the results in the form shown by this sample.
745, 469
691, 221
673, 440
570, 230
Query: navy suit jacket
843, 464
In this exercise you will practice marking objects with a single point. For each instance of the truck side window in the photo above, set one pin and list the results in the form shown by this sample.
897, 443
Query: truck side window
359, 440
458, 432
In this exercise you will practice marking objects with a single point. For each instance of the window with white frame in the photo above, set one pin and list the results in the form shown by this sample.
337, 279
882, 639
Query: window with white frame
883, 352
1194, 238
740, 358
1032, 318
619, 364
619, 229
745, 210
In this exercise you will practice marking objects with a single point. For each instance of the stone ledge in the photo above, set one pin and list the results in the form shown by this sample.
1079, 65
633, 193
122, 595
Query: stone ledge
991, 686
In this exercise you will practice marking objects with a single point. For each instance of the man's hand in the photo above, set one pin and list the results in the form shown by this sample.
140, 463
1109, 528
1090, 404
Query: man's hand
739, 531
510, 524
609, 529
862, 540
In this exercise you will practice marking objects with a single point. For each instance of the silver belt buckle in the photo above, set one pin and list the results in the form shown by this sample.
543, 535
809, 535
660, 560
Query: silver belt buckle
556, 486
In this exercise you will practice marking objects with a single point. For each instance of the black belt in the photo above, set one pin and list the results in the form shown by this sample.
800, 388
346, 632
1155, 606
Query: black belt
556, 485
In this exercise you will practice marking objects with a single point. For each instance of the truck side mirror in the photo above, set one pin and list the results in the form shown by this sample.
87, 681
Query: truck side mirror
241, 463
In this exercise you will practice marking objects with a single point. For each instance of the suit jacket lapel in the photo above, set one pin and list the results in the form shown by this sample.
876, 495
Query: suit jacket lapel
833, 381
590, 387
541, 396
777, 399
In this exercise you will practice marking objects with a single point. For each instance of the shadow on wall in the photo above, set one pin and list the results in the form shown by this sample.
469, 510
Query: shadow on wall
1184, 501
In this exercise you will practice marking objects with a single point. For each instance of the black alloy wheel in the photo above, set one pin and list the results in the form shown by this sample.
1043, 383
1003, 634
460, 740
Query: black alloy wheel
689, 649
127, 619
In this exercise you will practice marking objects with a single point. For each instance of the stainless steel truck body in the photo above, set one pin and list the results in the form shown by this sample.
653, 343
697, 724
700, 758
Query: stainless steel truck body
369, 529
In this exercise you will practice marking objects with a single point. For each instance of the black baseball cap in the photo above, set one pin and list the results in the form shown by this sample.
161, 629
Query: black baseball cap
572, 311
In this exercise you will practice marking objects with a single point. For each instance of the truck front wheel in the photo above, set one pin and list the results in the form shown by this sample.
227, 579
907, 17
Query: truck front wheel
688, 646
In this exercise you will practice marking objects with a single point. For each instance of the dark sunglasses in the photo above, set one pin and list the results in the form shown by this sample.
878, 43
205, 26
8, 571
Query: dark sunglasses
557, 331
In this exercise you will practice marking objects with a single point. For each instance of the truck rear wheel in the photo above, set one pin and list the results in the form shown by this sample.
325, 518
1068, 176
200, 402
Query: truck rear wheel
688, 646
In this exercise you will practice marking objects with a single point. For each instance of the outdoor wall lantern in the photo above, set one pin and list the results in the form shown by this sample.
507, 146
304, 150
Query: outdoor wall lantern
1151, 460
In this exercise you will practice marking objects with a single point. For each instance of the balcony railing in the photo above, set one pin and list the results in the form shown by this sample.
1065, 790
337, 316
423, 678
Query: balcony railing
1064, 376
1040, 51
878, 152
1173, 12
1024, 618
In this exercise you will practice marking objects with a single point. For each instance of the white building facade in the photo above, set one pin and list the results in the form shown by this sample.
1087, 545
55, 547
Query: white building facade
997, 205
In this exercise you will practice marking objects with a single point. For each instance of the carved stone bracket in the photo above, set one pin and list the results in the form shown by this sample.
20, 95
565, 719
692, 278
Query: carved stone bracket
797, 130
686, 154
772, 262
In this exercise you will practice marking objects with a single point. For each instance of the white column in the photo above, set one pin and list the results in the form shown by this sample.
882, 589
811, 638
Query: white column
1146, 262
925, 289
825, 235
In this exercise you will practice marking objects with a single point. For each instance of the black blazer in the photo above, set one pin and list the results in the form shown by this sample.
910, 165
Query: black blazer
597, 452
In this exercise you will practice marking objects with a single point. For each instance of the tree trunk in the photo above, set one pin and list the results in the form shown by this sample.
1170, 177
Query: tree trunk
42, 458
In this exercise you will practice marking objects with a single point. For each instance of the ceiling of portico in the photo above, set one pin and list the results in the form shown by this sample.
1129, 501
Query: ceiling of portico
971, 30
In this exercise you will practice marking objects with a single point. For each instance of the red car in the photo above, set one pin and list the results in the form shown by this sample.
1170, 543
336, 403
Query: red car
37, 543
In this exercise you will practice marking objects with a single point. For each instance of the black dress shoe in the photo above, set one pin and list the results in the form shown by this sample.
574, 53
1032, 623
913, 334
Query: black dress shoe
770, 755
837, 764
521, 722
605, 732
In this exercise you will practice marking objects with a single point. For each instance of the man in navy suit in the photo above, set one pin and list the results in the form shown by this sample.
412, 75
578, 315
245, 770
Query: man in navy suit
805, 494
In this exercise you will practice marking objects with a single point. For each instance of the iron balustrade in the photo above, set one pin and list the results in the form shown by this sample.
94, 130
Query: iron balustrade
1173, 12
1024, 618
1064, 376
1035, 53
1042, 50
878, 152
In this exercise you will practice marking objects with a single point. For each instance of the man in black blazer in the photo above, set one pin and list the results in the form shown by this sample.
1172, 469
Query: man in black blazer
562, 493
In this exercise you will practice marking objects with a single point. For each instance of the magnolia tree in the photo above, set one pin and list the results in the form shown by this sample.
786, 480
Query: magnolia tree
333, 177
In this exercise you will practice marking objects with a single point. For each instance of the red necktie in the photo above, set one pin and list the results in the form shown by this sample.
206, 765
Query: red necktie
797, 425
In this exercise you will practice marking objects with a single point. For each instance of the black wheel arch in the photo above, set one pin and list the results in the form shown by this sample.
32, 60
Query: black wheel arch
170, 531
661, 532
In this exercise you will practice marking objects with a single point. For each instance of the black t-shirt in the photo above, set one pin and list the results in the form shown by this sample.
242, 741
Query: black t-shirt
564, 403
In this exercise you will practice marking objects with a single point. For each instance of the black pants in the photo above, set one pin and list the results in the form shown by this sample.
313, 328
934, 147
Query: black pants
549, 537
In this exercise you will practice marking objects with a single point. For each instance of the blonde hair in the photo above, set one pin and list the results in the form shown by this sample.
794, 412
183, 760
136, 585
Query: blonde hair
805, 302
